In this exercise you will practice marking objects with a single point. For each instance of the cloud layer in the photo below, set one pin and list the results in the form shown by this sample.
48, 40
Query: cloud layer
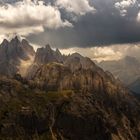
123, 6
105, 53
34, 16
78, 7
25, 17
68, 23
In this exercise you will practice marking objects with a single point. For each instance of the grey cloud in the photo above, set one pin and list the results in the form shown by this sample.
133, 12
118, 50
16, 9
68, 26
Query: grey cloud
105, 27
25, 17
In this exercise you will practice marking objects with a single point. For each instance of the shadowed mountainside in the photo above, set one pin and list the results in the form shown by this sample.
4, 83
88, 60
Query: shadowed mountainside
66, 98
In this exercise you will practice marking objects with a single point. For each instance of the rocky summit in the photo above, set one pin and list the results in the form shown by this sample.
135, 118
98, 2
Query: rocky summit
12, 53
62, 98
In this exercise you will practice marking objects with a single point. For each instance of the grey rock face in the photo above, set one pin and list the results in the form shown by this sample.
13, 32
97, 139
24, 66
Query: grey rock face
11, 53
77, 62
46, 55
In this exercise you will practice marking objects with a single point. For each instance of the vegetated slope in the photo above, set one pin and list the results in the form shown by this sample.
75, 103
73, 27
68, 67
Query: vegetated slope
102, 113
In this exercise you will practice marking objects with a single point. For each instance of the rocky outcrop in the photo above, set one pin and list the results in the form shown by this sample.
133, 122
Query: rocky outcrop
77, 62
74, 62
75, 72
55, 76
46, 55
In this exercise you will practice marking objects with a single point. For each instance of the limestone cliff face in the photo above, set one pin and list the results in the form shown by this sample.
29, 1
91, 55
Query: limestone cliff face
74, 72
56, 76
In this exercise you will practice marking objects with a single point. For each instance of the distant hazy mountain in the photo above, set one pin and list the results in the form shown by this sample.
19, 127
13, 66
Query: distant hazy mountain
62, 97
135, 86
126, 69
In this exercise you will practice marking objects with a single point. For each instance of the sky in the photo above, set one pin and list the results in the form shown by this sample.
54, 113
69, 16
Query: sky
99, 29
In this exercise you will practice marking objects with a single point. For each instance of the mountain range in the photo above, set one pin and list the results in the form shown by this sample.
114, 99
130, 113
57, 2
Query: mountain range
45, 95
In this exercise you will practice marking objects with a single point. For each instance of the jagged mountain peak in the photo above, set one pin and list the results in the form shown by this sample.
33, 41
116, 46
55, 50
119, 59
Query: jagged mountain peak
46, 54
76, 61
72, 63
14, 42
76, 55
58, 51
16, 39
4, 42
48, 47
24, 41
12, 53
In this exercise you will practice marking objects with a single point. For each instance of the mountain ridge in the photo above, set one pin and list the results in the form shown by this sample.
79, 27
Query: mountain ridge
65, 98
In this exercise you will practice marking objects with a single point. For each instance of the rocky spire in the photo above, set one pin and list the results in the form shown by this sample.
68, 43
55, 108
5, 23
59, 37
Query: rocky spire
27, 47
4, 42
47, 54
58, 51
12, 53
15, 40
48, 47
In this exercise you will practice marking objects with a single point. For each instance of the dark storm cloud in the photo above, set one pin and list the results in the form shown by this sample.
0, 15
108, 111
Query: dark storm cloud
106, 26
